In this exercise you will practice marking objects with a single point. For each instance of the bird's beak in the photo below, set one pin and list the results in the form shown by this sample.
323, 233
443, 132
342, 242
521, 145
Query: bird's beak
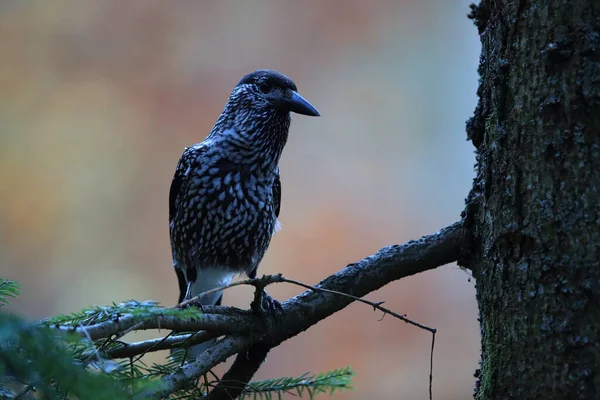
297, 104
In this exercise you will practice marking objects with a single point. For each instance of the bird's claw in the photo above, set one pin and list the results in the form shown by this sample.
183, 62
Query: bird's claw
195, 304
267, 305
271, 305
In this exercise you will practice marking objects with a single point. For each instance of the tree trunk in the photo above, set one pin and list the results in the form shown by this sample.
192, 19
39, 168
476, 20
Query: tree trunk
534, 205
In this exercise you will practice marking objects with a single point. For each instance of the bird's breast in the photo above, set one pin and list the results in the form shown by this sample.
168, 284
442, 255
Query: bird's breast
226, 217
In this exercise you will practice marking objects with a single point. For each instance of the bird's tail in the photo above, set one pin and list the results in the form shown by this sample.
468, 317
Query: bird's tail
206, 280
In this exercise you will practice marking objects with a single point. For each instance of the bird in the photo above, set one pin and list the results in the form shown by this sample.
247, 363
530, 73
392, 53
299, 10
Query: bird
225, 196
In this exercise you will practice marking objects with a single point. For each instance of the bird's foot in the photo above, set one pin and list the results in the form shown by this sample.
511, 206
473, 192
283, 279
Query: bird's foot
189, 304
186, 302
265, 304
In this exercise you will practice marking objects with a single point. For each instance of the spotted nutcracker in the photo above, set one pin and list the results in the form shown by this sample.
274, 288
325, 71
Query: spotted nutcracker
225, 196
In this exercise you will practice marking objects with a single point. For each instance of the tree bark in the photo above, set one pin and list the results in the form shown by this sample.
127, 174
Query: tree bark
533, 209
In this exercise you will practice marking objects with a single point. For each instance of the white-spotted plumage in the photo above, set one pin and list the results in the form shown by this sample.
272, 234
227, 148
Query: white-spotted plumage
225, 196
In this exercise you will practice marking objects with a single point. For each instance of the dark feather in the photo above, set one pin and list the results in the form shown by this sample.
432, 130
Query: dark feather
277, 194
182, 284
188, 159
177, 183
268, 78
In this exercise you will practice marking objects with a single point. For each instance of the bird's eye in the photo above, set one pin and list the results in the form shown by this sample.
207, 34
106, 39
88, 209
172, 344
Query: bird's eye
263, 87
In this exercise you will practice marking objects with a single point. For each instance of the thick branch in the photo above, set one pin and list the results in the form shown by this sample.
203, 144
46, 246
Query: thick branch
389, 264
301, 312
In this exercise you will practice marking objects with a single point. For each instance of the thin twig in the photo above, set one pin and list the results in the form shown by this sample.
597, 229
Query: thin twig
378, 306
128, 330
375, 305
244, 367
188, 372
94, 349
211, 291
155, 346
431, 365
263, 281
28, 388
217, 379
170, 341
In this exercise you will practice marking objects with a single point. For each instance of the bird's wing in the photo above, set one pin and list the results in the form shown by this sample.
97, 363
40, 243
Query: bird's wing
178, 186
178, 180
277, 194
182, 282
276, 200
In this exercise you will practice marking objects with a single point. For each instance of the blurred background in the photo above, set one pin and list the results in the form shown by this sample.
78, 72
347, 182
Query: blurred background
99, 98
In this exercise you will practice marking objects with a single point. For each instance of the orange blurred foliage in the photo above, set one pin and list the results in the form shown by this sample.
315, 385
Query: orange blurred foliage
98, 99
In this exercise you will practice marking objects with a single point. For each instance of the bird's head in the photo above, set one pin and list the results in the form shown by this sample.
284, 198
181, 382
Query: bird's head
253, 127
268, 90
